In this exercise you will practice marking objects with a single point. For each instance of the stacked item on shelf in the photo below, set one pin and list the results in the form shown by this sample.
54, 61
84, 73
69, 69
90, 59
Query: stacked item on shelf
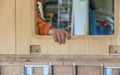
101, 22
105, 22
79, 17
64, 14
92, 18
50, 12
58, 13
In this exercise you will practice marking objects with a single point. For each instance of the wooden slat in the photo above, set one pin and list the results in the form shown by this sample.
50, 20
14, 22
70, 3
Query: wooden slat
117, 22
38, 71
24, 21
11, 70
89, 70
7, 26
116, 72
64, 70
13, 59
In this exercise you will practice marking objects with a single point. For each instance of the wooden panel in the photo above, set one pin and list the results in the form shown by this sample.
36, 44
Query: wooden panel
7, 26
117, 22
38, 71
90, 70
24, 24
83, 45
63, 70
11, 70
116, 72
100, 47
9, 59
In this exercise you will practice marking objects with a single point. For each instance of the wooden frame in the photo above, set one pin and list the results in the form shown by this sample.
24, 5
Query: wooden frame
21, 27
79, 64
80, 45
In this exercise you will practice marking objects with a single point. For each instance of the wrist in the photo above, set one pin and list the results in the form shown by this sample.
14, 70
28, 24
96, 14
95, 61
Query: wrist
51, 30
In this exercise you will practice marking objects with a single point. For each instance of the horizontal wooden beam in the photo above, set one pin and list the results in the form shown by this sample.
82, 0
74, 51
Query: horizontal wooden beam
57, 58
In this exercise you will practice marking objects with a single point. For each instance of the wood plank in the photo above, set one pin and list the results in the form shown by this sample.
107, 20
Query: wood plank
64, 70
38, 71
24, 21
89, 70
11, 70
117, 22
116, 72
17, 59
7, 26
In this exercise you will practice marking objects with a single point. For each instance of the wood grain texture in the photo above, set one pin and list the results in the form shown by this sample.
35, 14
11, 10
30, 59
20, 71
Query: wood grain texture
116, 72
89, 70
17, 59
7, 26
64, 70
91, 64
114, 50
24, 21
80, 45
11, 70
38, 71
57, 70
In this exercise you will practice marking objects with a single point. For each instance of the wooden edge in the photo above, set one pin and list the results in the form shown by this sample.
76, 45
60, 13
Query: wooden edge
114, 36
56, 59
110, 64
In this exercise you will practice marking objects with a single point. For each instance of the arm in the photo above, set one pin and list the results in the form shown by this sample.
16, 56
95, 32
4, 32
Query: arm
42, 28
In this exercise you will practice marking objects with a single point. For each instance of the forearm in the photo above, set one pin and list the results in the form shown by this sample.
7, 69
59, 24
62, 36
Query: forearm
42, 27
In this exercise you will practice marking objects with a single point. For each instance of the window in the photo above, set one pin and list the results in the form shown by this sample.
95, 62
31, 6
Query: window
80, 17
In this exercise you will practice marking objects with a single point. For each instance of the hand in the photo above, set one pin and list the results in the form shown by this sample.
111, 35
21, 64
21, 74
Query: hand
59, 35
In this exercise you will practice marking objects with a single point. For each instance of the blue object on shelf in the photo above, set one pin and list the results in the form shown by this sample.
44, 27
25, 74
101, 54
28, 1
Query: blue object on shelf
103, 30
92, 23
92, 18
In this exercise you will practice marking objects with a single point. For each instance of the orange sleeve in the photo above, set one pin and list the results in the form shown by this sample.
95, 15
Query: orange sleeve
42, 27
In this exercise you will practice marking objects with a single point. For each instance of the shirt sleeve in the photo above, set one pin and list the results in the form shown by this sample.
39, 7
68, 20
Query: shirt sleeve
42, 27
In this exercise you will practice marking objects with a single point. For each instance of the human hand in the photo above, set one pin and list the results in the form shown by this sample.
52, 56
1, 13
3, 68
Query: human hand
59, 35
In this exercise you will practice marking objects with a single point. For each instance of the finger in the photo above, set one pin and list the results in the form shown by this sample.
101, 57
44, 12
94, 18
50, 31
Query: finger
59, 37
68, 36
63, 39
55, 37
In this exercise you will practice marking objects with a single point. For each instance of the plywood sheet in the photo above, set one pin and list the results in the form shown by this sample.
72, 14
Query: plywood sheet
7, 26
116, 72
11, 70
62, 70
38, 71
24, 21
90, 70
